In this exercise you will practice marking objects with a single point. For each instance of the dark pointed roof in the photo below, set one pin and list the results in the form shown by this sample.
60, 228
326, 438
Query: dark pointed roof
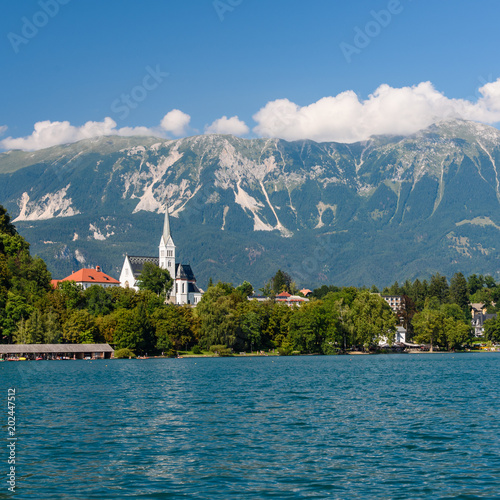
184, 272
137, 263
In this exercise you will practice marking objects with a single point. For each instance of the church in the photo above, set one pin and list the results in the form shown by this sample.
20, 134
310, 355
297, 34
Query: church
184, 289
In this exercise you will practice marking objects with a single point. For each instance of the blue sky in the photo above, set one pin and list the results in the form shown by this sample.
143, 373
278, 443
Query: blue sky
237, 58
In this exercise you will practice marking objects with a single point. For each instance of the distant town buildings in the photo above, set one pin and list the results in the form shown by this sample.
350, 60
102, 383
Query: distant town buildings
285, 297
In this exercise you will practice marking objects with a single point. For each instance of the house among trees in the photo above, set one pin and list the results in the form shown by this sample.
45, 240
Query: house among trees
395, 301
184, 289
479, 316
289, 299
87, 277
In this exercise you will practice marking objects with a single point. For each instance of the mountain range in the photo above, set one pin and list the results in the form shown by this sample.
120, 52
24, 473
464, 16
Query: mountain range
390, 208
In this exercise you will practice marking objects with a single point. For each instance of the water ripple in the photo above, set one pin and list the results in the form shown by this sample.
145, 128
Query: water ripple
343, 427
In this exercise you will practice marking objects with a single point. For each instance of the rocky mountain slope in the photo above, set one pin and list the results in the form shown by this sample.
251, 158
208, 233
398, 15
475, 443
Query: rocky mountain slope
365, 213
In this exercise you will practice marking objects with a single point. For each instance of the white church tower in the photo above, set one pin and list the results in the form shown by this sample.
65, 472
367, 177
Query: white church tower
167, 248
184, 289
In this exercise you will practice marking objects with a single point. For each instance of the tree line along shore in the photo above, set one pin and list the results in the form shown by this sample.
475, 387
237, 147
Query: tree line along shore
336, 319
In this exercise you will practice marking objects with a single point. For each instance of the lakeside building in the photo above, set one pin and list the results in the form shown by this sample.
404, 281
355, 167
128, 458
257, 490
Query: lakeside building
87, 277
479, 316
399, 337
56, 351
184, 289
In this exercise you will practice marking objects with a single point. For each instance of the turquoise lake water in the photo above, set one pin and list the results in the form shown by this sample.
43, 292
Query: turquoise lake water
388, 426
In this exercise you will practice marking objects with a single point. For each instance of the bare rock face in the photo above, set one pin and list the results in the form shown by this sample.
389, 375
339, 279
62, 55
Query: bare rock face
364, 213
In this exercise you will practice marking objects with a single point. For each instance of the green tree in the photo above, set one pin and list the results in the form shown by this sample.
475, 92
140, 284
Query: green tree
98, 300
80, 328
5, 224
35, 328
475, 283
52, 328
246, 289
71, 294
280, 282
127, 333
457, 333
429, 327
439, 288
459, 293
219, 321
492, 329
311, 329
155, 279
371, 319
172, 329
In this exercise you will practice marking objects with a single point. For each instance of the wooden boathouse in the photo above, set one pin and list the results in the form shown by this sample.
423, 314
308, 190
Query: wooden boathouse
56, 351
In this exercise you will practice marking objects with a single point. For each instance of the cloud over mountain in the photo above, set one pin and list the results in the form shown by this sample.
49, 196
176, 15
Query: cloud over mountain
346, 118
340, 118
225, 125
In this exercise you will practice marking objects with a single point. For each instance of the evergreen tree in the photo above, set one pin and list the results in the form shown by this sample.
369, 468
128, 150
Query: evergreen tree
439, 288
459, 293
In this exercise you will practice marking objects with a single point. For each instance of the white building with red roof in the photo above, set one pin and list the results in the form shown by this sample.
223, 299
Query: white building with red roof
87, 277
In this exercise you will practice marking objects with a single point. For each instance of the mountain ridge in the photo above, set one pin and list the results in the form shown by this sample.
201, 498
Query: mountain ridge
391, 207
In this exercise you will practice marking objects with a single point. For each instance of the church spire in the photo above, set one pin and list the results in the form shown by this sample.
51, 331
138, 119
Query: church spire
167, 246
166, 224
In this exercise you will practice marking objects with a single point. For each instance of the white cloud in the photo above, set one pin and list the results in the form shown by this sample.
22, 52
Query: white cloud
342, 118
176, 122
47, 134
225, 125
346, 118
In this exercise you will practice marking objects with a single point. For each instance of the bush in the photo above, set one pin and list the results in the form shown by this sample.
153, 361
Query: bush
221, 350
197, 350
284, 351
124, 353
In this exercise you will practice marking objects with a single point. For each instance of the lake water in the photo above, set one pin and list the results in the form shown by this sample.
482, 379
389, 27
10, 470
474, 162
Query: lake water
367, 427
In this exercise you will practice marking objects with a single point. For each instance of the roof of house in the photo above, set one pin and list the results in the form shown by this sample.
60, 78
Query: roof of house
305, 292
283, 294
53, 348
480, 318
477, 305
137, 263
54, 283
184, 272
87, 275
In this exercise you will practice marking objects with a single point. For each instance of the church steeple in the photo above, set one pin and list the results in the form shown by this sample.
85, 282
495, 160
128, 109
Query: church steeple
167, 247
166, 225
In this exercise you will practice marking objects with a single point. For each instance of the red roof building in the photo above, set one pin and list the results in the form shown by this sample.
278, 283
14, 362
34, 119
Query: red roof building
88, 277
